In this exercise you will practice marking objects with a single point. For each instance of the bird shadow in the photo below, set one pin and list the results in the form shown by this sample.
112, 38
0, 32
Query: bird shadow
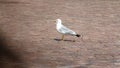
64, 40
11, 2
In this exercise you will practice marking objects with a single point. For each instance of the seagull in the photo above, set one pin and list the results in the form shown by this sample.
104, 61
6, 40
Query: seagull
64, 30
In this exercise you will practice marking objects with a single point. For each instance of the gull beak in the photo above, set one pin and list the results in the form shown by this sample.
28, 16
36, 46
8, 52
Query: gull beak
54, 21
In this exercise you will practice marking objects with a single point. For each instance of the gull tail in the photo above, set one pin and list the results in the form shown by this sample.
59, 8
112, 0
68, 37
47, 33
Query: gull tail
77, 35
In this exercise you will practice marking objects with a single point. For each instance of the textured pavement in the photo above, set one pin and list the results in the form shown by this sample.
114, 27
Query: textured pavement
28, 38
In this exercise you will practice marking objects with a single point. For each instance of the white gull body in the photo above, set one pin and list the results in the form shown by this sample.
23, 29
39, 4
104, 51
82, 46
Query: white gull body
64, 30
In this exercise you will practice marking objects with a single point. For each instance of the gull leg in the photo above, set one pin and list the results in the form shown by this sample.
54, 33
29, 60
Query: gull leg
62, 37
74, 40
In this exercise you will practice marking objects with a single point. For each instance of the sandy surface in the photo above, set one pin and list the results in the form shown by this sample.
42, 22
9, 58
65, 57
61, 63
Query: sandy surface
28, 35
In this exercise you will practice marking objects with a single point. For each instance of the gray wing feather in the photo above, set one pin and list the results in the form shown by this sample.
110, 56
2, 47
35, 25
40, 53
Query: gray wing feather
67, 30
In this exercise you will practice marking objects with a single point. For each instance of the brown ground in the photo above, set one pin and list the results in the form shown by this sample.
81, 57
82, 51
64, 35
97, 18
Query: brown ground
28, 38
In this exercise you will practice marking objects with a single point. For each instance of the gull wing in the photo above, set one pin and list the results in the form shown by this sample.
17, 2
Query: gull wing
66, 30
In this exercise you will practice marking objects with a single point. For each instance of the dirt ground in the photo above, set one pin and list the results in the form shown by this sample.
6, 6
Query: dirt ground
28, 38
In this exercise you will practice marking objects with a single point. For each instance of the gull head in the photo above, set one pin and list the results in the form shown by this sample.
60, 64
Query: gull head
58, 21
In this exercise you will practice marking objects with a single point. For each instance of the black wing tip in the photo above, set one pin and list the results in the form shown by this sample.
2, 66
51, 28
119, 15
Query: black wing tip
77, 35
